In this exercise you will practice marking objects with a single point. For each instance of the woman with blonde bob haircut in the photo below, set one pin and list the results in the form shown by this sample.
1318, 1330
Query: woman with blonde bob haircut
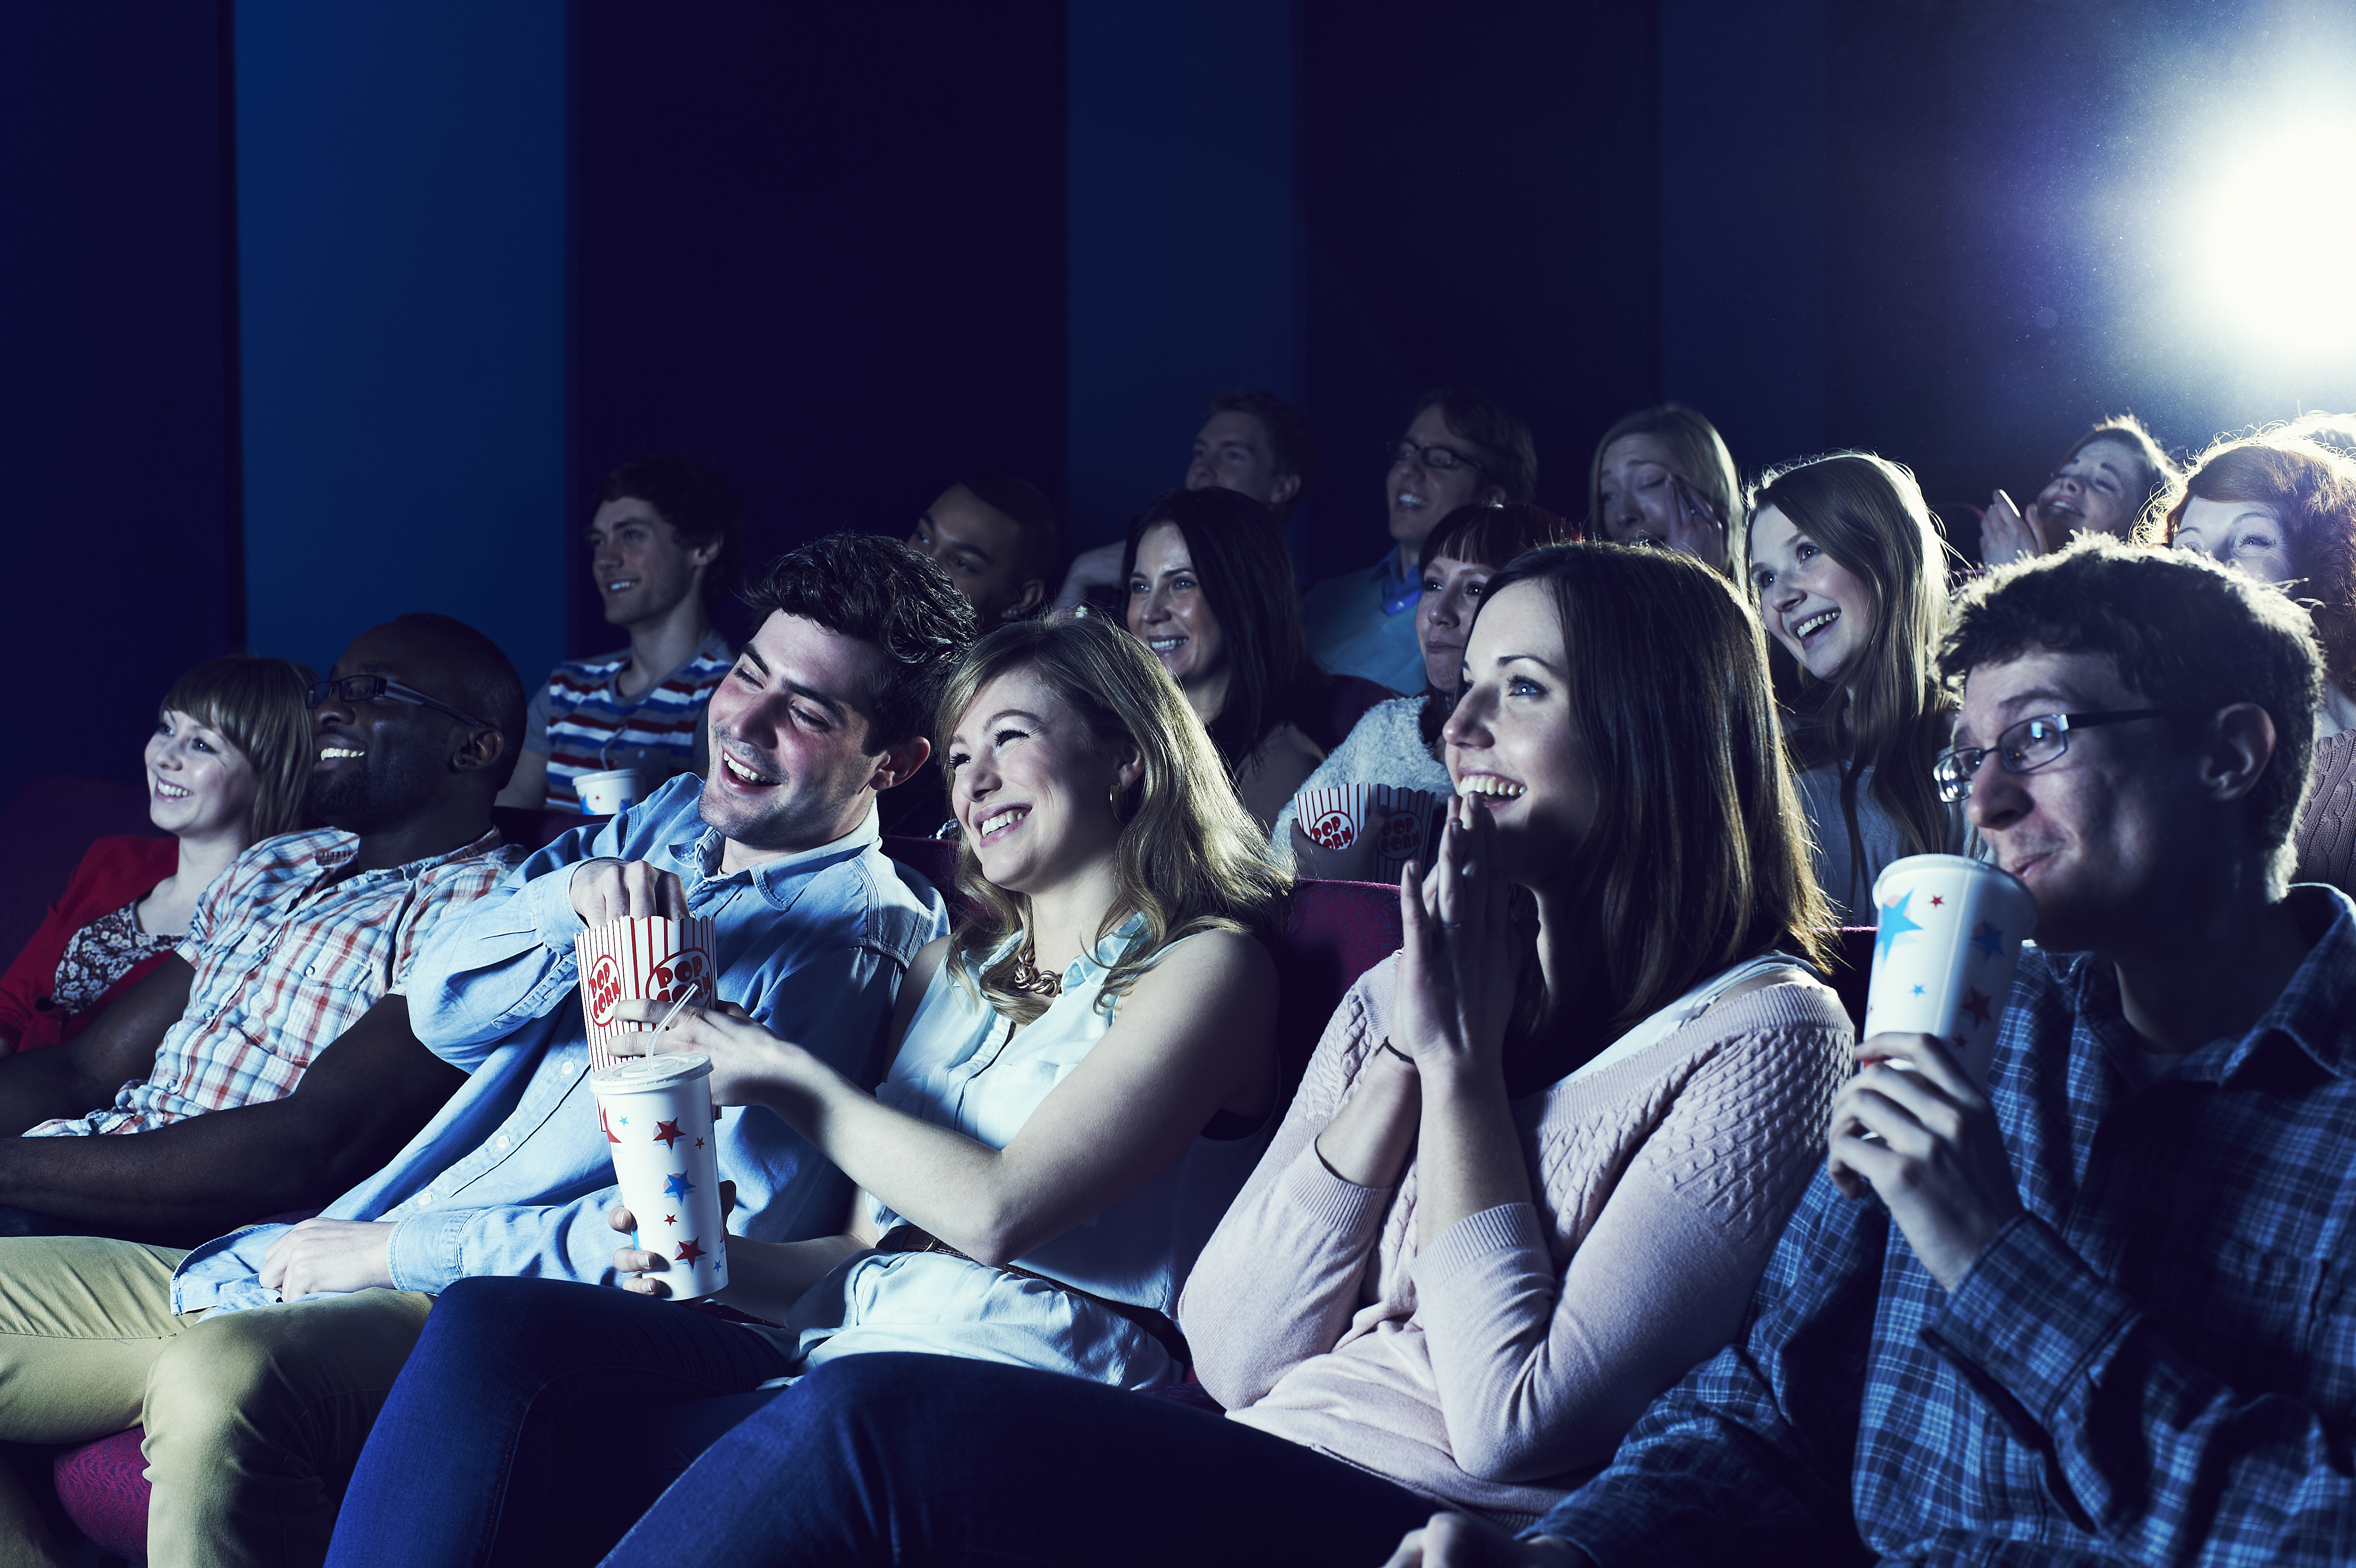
1531, 1176
1082, 1076
1849, 570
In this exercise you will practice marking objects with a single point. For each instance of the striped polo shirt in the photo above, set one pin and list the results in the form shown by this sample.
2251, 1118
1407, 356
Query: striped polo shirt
582, 724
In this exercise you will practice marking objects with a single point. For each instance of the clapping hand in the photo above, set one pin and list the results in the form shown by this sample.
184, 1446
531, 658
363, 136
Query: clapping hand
1456, 966
2006, 536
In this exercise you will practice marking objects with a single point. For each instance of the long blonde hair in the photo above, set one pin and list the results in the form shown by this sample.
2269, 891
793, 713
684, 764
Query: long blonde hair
1190, 857
1891, 713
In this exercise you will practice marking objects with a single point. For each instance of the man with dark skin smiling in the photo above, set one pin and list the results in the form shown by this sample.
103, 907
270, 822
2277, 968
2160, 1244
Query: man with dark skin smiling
266, 1059
228, 1354
2093, 1311
997, 539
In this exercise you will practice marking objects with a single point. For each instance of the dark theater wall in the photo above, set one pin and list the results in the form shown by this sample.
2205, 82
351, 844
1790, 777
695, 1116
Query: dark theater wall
1483, 205
118, 389
820, 247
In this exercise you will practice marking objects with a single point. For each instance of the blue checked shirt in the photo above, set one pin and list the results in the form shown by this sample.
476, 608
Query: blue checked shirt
2155, 1363
512, 1177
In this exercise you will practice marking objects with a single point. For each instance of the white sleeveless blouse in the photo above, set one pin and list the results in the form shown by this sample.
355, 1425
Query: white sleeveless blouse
958, 1068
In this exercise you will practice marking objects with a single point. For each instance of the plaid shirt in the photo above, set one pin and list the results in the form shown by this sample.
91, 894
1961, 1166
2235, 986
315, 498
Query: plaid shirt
286, 958
2155, 1363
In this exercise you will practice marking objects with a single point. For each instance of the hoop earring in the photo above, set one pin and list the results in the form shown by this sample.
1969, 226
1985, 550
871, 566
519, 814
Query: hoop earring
1116, 804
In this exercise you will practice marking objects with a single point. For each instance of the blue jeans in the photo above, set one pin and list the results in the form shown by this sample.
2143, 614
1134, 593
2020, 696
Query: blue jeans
537, 1419
931, 1459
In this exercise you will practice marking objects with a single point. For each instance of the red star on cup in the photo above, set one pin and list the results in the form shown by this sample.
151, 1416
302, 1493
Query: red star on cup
668, 1133
699, 1143
1977, 1004
670, 1219
689, 1251
1937, 901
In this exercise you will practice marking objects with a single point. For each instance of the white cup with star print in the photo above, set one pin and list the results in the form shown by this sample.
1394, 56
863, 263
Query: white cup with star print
1947, 938
657, 1117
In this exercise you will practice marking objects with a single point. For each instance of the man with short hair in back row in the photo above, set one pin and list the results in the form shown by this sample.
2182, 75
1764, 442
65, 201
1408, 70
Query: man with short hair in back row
2097, 1311
665, 546
1251, 442
257, 1363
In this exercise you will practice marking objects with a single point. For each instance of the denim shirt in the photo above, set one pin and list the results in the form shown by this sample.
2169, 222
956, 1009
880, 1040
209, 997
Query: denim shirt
511, 1176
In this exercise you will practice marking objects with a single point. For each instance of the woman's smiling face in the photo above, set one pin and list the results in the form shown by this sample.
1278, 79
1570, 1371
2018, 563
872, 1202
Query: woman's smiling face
1167, 611
1817, 609
1031, 786
1511, 741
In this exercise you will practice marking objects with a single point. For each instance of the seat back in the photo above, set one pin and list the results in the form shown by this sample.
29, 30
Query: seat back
1852, 967
538, 830
934, 859
1333, 933
45, 829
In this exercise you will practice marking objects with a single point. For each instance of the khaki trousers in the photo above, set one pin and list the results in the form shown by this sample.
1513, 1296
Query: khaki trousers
254, 1418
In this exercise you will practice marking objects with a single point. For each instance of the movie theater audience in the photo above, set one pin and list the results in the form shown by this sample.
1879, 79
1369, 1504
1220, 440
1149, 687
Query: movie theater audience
1662, 476
1847, 569
229, 1355
2282, 510
228, 764
1251, 442
1532, 1170
665, 544
2080, 1314
1084, 1071
1210, 594
1398, 742
1460, 449
996, 537
2105, 483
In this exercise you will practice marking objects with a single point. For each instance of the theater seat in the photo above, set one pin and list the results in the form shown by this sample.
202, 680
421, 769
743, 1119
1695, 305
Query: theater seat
538, 830
934, 859
1352, 696
104, 1484
1852, 966
44, 831
1334, 933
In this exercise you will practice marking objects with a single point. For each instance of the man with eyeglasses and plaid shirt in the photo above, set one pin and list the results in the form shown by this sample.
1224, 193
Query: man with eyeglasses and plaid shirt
2099, 1311
293, 950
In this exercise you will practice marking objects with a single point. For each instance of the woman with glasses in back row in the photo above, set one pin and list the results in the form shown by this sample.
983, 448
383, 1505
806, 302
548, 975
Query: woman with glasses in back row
1460, 449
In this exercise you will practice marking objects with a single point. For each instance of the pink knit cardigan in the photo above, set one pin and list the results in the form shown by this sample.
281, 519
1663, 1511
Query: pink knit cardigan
1497, 1370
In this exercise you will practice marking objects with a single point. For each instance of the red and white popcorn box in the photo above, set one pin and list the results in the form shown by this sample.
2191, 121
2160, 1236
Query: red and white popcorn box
657, 1116
1947, 939
1335, 814
646, 958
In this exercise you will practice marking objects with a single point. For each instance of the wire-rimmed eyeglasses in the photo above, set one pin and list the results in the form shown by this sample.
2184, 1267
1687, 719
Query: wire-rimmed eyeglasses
2023, 748
370, 688
1437, 458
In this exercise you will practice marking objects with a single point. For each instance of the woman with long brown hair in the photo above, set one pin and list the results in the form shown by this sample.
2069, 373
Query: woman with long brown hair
1849, 571
1531, 1174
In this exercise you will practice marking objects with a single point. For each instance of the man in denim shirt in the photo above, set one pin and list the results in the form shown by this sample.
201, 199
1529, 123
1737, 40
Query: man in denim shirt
2098, 1313
255, 1410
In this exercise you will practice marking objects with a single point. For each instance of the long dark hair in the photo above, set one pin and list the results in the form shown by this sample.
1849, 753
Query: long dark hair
1890, 713
1698, 858
1240, 558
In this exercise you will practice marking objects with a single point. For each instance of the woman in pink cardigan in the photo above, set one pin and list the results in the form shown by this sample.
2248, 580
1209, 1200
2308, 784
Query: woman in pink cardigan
1530, 1177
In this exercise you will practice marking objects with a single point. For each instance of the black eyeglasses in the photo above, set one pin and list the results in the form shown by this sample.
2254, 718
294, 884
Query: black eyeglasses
1438, 459
2023, 748
370, 688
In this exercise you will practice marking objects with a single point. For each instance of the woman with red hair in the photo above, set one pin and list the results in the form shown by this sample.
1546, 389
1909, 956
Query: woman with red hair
2283, 509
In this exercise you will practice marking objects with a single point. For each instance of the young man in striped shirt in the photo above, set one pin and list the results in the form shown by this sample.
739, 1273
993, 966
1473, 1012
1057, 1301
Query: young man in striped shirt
664, 543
